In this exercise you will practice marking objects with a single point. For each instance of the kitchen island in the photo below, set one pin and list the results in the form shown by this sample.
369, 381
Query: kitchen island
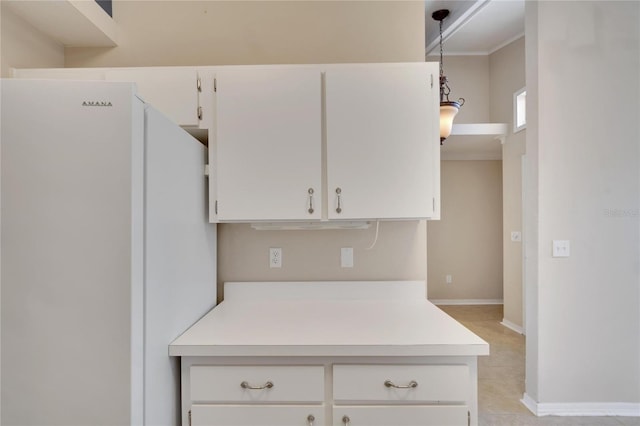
328, 353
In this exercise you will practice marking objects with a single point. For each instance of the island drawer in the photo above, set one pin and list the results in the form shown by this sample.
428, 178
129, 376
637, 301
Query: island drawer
228, 384
423, 383
252, 415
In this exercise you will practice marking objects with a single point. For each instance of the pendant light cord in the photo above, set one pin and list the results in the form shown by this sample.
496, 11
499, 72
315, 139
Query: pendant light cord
441, 55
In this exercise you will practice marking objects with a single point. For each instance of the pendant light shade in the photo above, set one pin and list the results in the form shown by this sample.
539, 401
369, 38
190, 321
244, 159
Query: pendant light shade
448, 109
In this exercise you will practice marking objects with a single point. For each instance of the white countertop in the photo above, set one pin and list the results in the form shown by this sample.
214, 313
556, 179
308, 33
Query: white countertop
327, 327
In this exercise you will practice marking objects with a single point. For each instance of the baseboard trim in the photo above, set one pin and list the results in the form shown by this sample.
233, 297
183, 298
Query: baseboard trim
466, 301
627, 409
530, 403
512, 326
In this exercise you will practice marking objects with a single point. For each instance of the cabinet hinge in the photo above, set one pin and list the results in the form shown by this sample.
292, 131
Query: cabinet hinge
215, 84
199, 84
468, 418
432, 81
216, 207
189, 417
199, 113
206, 170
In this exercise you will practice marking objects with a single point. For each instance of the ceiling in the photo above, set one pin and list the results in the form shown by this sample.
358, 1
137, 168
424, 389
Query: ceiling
474, 27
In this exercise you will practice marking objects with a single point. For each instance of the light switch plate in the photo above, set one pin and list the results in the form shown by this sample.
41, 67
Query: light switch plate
346, 257
561, 248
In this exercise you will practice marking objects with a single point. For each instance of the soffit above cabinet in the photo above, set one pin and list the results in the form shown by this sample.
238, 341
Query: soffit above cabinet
477, 141
73, 23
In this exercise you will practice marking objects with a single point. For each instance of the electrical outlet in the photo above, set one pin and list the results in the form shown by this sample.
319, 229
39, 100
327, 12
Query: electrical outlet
449, 279
275, 257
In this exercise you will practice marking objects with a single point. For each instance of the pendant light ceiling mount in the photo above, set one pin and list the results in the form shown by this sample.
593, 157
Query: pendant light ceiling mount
448, 109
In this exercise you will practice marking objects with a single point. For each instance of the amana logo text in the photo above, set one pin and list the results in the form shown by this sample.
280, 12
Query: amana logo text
97, 103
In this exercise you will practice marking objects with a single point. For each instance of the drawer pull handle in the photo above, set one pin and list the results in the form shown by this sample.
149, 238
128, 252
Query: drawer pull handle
390, 384
310, 419
346, 420
246, 385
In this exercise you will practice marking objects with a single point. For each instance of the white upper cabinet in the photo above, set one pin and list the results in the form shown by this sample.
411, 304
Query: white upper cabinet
382, 141
172, 90
268, 144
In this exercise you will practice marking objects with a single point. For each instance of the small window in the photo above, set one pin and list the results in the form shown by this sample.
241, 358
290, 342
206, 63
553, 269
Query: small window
520, 110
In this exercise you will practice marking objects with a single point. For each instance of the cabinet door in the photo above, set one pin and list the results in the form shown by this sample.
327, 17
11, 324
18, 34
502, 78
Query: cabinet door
382, 140
268, 144
435, 415
173, 91
257, 415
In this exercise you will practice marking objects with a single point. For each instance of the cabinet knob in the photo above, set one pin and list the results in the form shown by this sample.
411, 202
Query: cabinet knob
346, 420
310, 419
310, 192
339, 208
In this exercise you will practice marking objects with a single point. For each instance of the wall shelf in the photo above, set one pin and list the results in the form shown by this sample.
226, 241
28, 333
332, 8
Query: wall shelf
73, 23
475, 141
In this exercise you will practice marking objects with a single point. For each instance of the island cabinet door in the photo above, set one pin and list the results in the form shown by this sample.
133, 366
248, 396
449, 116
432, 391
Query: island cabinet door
401, 416
261, 415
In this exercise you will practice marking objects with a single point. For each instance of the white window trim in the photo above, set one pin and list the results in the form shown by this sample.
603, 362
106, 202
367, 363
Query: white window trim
523, 126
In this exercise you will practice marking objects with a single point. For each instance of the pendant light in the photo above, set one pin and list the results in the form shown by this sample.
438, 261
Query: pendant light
448, 109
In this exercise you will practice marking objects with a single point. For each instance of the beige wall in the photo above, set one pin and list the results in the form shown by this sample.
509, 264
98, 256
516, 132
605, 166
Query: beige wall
399, 253
238, 32
23, 46
259, 32
468, 78
507, 75
467, 242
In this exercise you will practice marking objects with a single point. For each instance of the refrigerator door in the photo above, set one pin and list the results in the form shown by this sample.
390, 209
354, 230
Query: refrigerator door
180, 257
66, 252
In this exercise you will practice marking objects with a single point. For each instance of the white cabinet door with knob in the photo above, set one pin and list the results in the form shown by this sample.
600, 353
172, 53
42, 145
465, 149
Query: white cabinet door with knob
401, 416
257, 415
268, 144
383, 149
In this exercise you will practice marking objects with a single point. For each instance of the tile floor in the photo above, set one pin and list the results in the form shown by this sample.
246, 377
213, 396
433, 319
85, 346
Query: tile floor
501, 375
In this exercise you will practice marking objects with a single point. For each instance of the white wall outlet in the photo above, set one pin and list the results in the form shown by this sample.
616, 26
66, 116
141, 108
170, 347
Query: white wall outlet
275, 257
346, 257
561, 248
516, 236
449, 279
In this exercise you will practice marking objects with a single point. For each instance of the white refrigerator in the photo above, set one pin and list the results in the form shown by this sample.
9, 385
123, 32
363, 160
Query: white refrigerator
106, 254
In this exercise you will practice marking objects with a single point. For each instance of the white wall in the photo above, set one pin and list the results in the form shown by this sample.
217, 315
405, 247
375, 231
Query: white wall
583, 321
23, 46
